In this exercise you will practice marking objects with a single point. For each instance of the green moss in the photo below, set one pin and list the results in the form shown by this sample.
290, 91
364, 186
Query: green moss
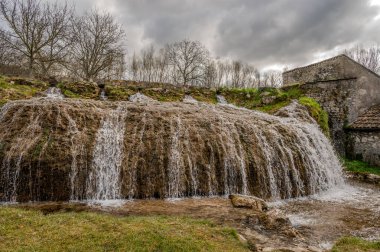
203, 95
272, 108
253, 98
355, 244
360, 167
164, 95
118, 93
30, 230
2, 102
317, 112
82, 90
268, 100
70, 94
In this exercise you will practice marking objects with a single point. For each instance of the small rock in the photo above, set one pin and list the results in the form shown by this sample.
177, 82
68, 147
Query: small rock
264, 94
268, 99
252, 202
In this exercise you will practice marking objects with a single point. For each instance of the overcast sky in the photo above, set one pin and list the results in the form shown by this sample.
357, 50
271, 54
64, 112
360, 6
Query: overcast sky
267, 33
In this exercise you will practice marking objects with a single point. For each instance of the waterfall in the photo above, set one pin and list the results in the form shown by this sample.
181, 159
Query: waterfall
175, 160
60, 149
104, 178
138, 97
54, 93
103, 95
221, 99
189, 99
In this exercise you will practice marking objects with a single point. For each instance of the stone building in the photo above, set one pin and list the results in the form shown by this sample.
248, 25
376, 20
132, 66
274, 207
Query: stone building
346, 90
363, 137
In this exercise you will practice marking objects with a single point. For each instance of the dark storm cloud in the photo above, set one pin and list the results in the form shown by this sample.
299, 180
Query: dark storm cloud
289, 32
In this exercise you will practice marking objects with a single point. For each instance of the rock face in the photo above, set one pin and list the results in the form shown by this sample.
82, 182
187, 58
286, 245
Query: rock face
252, 202
61, 149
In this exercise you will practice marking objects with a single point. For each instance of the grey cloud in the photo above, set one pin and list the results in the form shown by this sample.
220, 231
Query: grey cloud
262, 32
288, 32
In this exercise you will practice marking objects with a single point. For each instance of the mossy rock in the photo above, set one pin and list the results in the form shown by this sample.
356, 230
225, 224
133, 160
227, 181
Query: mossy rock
87, 90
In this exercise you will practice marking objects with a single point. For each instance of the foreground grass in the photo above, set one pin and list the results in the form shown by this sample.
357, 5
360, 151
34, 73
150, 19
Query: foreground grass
30, 230
354, 244
360, 166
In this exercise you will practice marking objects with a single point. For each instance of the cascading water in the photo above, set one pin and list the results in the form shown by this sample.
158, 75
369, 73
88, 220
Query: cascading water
138, 97
103, 95
104, 177
83, 149
189, 99
55, 93
221, 99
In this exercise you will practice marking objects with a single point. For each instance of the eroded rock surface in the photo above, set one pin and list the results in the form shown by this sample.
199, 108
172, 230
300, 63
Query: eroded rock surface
54, 149
251, 202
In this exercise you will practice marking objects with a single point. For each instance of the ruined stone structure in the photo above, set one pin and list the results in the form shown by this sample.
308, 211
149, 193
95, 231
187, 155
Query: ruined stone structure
346, 90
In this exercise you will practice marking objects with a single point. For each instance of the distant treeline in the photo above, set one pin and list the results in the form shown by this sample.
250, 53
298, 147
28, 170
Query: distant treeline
44, 39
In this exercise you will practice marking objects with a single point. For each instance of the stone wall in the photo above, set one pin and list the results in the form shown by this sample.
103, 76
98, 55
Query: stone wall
334, 97
343, 87
364, 146
331, 69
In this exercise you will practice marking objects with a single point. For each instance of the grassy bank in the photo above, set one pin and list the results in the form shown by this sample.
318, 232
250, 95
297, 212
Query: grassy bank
360, 167
355, 244
30, 230
267, 100
16, 89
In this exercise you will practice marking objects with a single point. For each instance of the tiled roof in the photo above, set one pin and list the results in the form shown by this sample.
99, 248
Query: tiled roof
369, 120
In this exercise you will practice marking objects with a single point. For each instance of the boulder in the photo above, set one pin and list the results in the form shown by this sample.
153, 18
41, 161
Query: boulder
252, 202
264, 94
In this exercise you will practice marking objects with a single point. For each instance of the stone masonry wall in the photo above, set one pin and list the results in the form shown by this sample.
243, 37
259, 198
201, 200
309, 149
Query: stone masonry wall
331, 69
344, 88
364, 146
335, 98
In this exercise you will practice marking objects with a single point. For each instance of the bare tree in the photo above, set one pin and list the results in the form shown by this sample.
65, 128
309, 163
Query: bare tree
237, 73
188, 60
33, 27
5, 52
271, 79
56, 50
162, 66
367, 56
97, 42
135, 67
210, 75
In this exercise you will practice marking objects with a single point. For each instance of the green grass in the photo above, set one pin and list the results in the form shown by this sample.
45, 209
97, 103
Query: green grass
360, 167
30, 230
354, 244
17, 91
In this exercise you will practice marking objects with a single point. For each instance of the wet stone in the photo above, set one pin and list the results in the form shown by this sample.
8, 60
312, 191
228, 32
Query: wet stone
248, 202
